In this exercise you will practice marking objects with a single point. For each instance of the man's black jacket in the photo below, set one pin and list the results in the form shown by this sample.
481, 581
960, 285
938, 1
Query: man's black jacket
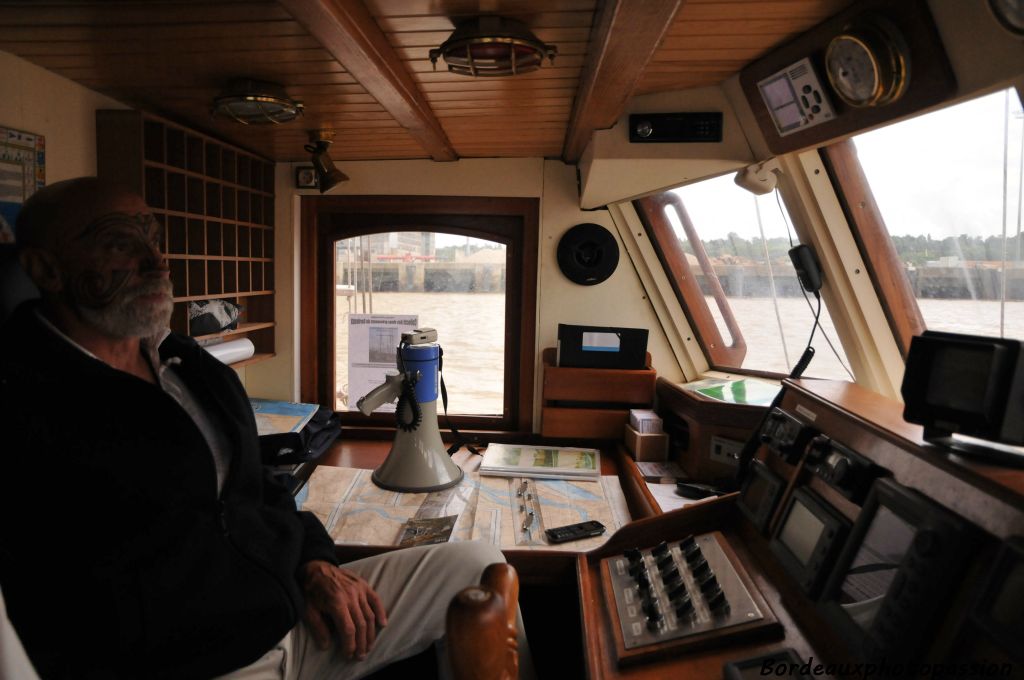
116, 556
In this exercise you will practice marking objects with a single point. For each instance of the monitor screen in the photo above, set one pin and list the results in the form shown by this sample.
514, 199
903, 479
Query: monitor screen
755, 493
964, 384
801, 531
960, 377
875, 566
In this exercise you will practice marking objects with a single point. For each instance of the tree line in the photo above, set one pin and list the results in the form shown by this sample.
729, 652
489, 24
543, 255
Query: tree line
915, 250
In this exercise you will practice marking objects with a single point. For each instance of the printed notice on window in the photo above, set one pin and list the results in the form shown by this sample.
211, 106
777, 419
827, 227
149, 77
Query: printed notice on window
372, 341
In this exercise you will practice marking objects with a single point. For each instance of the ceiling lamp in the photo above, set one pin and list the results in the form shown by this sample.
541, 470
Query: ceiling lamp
254, 102
492, 46
327, 175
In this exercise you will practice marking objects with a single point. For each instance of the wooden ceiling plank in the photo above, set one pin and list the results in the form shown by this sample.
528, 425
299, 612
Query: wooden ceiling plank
545, 73
750, 26
239, 30
111, 14
444, 23
348, 31
382, 8
739, 10
625, 36
141, 45
571, 61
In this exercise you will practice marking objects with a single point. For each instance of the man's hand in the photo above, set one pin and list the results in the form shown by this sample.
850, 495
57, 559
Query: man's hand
343, 598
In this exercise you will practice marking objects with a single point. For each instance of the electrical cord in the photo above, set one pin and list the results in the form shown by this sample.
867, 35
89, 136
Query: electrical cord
817, 324
407, 397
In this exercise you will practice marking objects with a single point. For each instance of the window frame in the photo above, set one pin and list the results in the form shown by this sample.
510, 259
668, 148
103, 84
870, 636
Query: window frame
513, 222
877, 249
651, 210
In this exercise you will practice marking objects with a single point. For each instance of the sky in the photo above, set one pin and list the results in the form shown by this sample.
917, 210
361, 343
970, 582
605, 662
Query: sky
939, 174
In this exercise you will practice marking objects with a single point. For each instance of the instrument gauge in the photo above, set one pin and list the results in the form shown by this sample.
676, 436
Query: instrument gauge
868, 64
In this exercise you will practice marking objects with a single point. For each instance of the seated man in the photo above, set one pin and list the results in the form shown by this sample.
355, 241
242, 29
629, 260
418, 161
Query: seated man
141, 537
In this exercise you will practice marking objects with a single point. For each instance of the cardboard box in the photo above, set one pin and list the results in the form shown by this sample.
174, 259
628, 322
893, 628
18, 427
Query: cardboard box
646, 447
645, 421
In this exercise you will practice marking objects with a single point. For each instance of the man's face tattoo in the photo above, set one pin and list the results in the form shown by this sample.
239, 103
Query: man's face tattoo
106, 273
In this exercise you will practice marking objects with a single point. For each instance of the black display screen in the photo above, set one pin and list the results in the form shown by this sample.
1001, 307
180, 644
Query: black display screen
800, 532
755, 493
875, 566
960, 378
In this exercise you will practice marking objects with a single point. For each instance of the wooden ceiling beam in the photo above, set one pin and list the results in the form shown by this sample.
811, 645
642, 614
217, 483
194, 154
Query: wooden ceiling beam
623, 40
348, 31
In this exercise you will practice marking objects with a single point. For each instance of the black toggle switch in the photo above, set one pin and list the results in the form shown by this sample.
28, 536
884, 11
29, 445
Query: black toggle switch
700, 569
637, 568
677, 592
717, 602
664, 561
670, 576
684, 607
643, 582
687, 542
710, 586
660, 549
693, 554
633, 555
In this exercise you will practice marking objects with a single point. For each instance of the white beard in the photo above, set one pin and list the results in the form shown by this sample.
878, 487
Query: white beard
126, 317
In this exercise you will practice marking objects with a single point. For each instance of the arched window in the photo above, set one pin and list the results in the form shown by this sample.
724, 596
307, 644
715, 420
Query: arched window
464, 266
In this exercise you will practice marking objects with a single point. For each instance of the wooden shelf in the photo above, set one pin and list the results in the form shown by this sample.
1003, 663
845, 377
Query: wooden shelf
242, 329
592, 403
216, 205
255, 358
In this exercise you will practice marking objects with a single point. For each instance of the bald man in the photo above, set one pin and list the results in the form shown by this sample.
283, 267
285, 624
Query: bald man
140, 535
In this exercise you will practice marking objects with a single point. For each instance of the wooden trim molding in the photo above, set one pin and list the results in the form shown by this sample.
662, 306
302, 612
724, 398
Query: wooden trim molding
511, 221
876, 246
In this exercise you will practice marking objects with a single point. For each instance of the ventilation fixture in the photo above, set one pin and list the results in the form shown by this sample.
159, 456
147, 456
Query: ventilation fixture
254, 102
327, 175
492, 46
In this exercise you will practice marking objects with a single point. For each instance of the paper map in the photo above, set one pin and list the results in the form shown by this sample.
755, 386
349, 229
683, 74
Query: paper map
355, 511
275, 417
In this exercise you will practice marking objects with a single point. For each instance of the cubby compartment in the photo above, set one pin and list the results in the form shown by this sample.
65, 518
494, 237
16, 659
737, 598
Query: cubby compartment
216, 205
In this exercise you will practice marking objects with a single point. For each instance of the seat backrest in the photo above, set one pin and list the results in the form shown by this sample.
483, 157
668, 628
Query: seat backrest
15, 285
481, 627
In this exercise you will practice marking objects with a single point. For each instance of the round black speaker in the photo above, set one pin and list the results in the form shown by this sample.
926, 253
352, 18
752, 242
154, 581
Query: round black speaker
588, 254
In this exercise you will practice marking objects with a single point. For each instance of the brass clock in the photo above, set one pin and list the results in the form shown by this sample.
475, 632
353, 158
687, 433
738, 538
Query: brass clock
868, 64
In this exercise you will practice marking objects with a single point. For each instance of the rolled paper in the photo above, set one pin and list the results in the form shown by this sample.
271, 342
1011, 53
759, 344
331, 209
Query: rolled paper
232, 351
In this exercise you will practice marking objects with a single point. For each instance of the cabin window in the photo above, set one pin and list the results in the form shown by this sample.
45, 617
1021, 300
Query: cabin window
463, 266
935, 202
449, 282
727, 252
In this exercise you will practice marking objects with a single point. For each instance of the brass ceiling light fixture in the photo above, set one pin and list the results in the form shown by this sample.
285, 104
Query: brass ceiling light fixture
255, 102
327, 174
492, 46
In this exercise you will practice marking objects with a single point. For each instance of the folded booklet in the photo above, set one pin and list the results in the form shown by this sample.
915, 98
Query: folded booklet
543, 462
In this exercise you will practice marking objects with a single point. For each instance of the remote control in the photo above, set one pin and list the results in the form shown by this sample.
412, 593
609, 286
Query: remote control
574, 532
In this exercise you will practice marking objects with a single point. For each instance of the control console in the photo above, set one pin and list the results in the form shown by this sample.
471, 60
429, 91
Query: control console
682, 594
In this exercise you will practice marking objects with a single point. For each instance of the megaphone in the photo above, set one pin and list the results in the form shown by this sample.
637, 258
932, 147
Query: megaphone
418, 461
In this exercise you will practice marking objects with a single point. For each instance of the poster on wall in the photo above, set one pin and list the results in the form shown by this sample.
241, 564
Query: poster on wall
22, 172
372, 339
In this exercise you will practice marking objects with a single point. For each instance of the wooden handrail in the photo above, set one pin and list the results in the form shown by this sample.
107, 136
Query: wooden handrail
652, 209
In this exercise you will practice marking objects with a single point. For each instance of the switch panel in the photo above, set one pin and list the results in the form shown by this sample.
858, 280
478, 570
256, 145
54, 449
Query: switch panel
681, 589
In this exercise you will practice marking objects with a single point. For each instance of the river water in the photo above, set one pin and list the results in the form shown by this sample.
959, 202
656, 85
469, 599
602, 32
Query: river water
471, 330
